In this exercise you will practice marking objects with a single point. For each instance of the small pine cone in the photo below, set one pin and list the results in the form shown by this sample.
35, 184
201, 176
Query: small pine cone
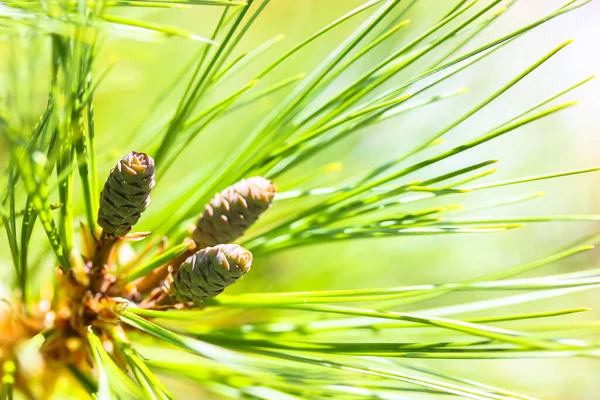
208, 272
227, 216
126, 194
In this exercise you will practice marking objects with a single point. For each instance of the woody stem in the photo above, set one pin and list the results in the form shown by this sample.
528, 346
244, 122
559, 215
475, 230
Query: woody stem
153, 279
100, 262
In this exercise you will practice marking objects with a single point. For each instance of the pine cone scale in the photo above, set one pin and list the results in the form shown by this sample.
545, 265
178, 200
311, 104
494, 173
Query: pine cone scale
208, 272
230, 213
126, 194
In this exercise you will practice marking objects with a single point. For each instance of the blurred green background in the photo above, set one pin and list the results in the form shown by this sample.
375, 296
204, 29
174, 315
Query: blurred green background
567, 140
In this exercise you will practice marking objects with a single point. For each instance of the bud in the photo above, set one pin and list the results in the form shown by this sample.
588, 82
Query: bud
208, 272
227, 216
126, 194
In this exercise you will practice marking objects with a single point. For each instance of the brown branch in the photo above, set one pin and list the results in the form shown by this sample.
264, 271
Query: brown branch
100, 264
153, 279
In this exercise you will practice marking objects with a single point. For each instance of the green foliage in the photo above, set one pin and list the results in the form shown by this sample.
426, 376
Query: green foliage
309, 344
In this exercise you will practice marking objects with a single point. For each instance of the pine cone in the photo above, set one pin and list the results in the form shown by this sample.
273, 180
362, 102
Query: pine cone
227, 216
208, 272
126, 194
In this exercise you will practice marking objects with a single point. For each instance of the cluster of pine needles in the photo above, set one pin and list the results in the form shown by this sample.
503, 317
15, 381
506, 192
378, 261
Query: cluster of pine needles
127, 307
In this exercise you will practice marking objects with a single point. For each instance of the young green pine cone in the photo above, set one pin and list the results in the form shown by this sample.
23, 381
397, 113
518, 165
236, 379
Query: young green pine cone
227, 216
126, 194
208, 272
